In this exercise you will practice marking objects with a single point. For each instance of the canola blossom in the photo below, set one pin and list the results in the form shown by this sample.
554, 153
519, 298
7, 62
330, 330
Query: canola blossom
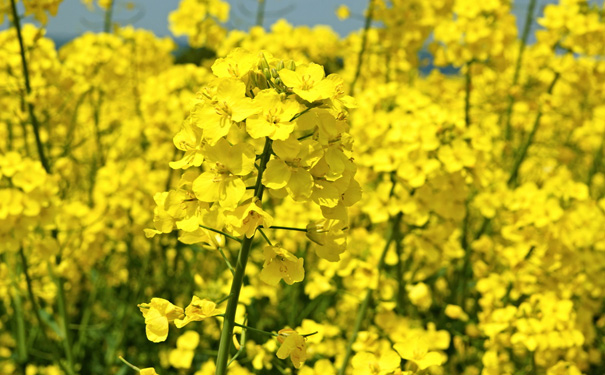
425, 195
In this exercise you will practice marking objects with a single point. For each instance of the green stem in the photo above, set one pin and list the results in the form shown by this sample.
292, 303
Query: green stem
21, 340
221, 232
28, 89
255, 329
222, 300
467, 95
524, 37
363, 308
265, 237
364, 42
36, 308
288, 228
238, 278
512, 181
62, 307
108, 16
596, 162
220, 250
260, 13
135, 368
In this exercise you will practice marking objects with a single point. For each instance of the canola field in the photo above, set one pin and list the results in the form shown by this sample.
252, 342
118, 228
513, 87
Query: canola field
425, 195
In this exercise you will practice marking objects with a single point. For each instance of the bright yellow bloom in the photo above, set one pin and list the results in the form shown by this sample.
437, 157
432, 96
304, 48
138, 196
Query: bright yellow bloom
148, 371
343, 12
293, 345
222, 182
281, 264
330, 236
198, 310
274, 119
308, 82
246, 218
291, 167
237, 64
190, 140
366, 363
417, 351
229, 106
182, 356
158, 313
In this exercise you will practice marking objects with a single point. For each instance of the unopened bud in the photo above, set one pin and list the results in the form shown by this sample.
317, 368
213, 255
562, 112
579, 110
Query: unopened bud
280, 65
267, 73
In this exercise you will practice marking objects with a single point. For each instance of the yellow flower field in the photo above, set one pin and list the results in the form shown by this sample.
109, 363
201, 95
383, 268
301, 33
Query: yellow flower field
425, 195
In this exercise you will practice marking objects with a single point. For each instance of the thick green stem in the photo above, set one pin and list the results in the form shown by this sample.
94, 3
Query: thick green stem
364, 42
524, 37
240, 271
28, 89
363, 307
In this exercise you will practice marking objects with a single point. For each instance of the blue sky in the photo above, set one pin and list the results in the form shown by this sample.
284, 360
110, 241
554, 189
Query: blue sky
74, 18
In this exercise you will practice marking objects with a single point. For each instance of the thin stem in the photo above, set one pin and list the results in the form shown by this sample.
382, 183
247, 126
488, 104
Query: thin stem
364, 42
238, 278
36, 308
596, 162
108, 16
512, 181
28, 89
62, 307
221, 232
135, 368
288, 228
223, 299
467, 94
265, 237
260, 13
363, 308
21, 341
255, 329
524, 37
220, 250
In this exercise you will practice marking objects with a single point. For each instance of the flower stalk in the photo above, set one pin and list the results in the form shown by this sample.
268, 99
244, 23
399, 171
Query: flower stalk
240, 271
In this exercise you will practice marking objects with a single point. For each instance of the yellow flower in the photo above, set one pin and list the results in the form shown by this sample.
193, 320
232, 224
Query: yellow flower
293, 345
456, 312
189, 139
330, 236
308, 82
246, 218
198, 310
182, 356
148, 371
229, 106
222, 182
237, 64
281, 264
417, 351
274, 119
343, 12
366, 363
290, 169
158, 313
